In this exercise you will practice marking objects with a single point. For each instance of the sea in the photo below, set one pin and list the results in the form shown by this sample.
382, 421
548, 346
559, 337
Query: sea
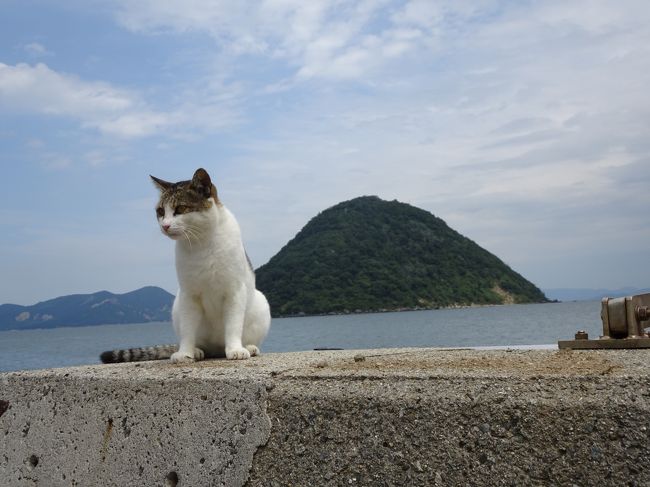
516, 326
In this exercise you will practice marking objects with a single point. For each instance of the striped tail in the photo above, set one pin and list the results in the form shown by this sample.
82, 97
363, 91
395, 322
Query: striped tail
157, 352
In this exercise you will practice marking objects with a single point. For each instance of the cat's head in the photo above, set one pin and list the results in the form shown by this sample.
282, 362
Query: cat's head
183, 208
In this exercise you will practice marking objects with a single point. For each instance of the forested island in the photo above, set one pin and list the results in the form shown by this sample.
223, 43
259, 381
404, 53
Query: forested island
368, 254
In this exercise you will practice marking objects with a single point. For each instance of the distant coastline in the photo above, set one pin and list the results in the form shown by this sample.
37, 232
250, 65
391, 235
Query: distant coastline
144, 305
159, 310
403, 310
59, 327
588, 294
299, 315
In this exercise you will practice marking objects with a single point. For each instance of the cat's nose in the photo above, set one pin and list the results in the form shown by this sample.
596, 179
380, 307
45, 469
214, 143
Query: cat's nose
165, 227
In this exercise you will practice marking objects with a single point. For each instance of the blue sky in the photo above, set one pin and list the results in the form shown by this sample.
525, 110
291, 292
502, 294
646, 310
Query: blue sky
524, 125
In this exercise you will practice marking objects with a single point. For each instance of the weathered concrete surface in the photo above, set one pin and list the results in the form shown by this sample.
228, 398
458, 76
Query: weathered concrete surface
129, 426
375, 417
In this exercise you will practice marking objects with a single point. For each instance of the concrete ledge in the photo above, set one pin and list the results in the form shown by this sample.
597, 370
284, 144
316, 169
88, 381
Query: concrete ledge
374, 417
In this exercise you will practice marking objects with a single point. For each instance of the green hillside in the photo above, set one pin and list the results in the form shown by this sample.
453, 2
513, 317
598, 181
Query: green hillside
143, 305
367, 254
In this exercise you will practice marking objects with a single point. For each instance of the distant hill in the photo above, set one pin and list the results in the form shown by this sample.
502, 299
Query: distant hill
101, 308
586, 294
368, 254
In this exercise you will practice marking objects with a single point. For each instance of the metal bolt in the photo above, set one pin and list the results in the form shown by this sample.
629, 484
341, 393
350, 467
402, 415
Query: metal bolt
642, 313
582, 335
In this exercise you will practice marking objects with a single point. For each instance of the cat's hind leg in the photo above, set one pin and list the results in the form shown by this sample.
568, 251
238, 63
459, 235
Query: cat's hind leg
184, 357
258, 320
233, 318
252, 349
187, 316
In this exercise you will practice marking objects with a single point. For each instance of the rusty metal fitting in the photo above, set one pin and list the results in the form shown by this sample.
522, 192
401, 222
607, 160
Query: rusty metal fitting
625, 320
581, 335
642, 313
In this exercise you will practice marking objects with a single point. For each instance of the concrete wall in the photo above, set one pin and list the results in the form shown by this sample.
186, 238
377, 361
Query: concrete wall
375, 417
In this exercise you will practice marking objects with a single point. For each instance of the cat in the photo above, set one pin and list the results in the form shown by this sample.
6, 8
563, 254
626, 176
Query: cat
217, 311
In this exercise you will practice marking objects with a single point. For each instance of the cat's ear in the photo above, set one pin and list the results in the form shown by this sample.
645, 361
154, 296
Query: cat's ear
160, 184
202, 183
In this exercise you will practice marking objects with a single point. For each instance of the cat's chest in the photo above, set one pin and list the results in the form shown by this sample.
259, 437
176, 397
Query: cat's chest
211, 270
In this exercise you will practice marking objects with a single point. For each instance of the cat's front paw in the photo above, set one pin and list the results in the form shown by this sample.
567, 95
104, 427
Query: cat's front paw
239, 353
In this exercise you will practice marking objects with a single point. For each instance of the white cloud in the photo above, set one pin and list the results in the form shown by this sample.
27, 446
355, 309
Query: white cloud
133, 124
328, 39
36, 49
55, 162
41, 90
111, 110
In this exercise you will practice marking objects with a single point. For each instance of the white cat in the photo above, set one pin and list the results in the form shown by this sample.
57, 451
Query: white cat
217, 310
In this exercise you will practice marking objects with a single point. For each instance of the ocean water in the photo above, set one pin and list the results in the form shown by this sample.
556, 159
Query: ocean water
516, 325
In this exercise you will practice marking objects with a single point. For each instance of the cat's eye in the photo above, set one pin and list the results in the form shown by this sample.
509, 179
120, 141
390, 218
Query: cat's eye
160, 212
180, 209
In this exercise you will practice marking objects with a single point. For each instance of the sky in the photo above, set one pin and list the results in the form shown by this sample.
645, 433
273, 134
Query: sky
523, 124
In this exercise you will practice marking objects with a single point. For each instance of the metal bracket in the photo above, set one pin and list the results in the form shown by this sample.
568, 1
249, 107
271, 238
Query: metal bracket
624, 323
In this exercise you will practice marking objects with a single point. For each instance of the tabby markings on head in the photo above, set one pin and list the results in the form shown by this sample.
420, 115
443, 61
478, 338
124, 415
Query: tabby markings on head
186, 196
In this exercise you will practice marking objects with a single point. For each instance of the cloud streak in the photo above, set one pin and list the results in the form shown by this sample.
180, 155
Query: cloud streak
323, 39
101, 106
36, 49
98, 105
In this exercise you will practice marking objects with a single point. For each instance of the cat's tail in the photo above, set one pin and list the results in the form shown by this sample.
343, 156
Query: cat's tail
157, 352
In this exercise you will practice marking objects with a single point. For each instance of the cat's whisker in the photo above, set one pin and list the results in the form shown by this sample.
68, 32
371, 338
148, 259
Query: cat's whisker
190, 230
194, 231
189, 240
189, 234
